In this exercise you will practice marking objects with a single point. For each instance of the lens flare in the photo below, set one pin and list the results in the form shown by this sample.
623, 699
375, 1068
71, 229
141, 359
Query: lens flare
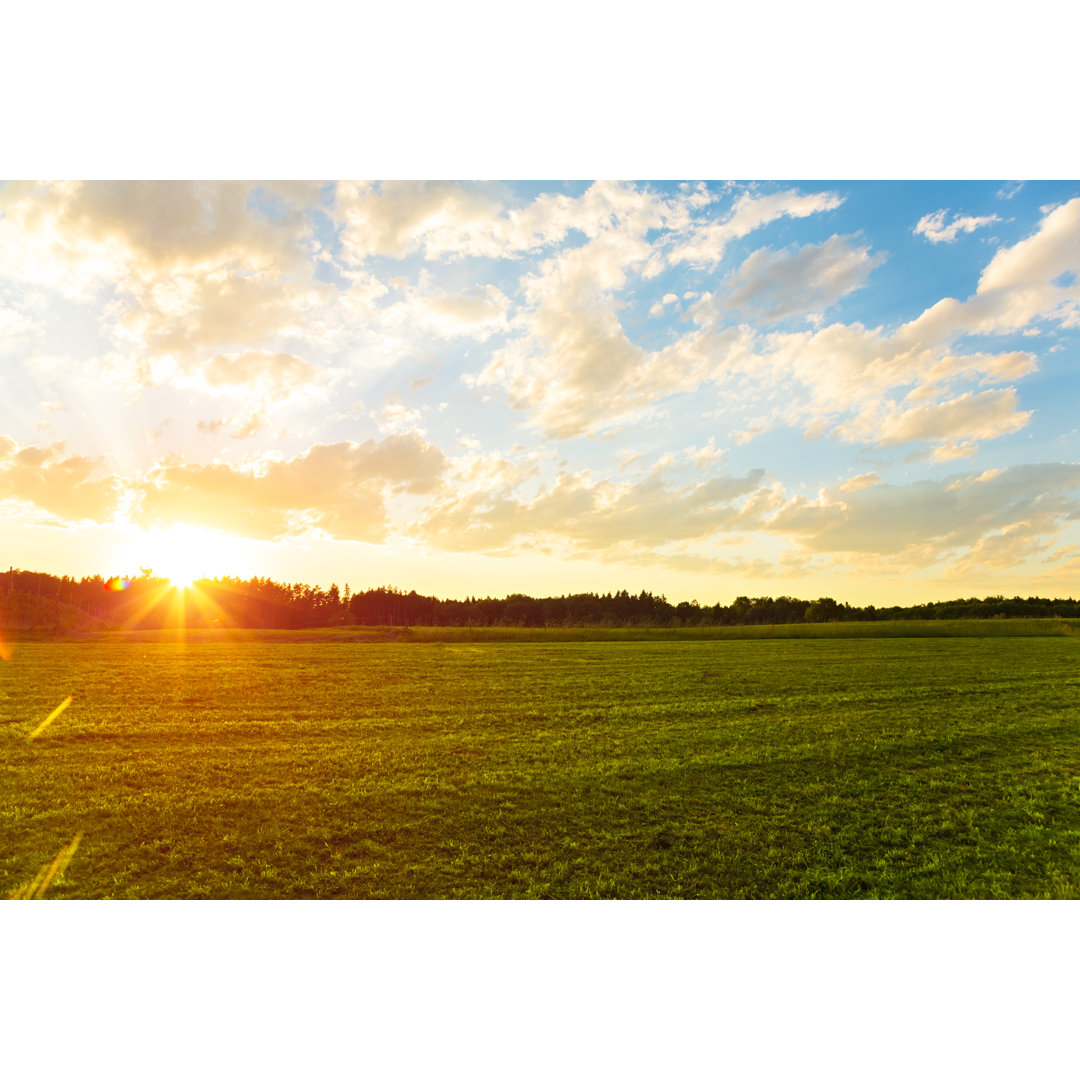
50, 718
35, 890
117, 584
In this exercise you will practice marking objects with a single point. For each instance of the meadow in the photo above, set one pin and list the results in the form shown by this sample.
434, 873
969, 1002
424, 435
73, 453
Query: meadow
906, 761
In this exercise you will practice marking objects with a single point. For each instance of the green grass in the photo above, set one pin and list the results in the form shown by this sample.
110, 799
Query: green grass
903, 628
924, 767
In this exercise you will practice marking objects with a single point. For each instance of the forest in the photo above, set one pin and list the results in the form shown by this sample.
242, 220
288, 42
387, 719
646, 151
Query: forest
39, 601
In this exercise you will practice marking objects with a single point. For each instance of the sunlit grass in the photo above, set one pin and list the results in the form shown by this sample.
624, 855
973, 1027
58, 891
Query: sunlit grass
217, 767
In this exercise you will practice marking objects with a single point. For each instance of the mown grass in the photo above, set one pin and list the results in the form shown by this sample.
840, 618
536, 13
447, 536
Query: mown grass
903, 628
922, 767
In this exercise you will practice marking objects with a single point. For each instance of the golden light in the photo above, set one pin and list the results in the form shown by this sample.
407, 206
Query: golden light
184, 553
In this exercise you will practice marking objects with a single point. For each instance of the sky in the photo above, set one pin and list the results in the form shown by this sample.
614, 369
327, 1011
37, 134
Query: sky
865, 390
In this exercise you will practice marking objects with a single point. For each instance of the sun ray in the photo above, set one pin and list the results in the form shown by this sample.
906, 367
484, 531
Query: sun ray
213, 614
143, 602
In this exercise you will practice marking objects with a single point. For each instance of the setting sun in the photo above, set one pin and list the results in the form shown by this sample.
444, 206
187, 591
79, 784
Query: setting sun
184, 553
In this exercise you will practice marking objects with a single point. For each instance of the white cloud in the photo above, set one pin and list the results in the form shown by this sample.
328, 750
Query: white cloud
705, 456
708, 241
933, 226
394, 416
396, 218
478, 313
1052, 250
852, 373
574, 347
577, 371
1034, 279
658, 308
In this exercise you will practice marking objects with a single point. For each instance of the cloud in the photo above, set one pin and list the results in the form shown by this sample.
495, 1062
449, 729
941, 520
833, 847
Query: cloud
197, 283
340, 489
969, 416
574, 347
451, 220
988, 519
261, 381
249, 424
478, 313
76, 236
704, 457
1012, 545
16, 328
857, 483
69, 489
927, 521
953, 451
933, 226
191, 311
658, 308
475, 471
854, 374
1034, 279
1052, 250
572, 365
269, 377
397, 218
575, 369
778, 284
608, 520
709, 240
395, 416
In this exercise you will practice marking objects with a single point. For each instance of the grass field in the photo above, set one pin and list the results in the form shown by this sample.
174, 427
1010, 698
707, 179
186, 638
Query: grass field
754, 766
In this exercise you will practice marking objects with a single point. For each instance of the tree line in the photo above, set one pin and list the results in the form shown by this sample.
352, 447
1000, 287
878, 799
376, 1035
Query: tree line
33, 600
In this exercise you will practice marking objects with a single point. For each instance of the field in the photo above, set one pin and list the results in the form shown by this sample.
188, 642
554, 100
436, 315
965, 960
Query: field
760, 764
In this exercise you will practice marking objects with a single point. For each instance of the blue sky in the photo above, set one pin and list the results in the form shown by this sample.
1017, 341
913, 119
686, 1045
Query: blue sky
858, 389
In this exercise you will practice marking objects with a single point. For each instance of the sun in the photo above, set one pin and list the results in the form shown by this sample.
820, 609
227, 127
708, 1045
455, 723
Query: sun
182, 553
182, 579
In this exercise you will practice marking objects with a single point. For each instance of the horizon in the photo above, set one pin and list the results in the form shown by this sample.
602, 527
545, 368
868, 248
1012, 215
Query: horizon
704, 390
404, 590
